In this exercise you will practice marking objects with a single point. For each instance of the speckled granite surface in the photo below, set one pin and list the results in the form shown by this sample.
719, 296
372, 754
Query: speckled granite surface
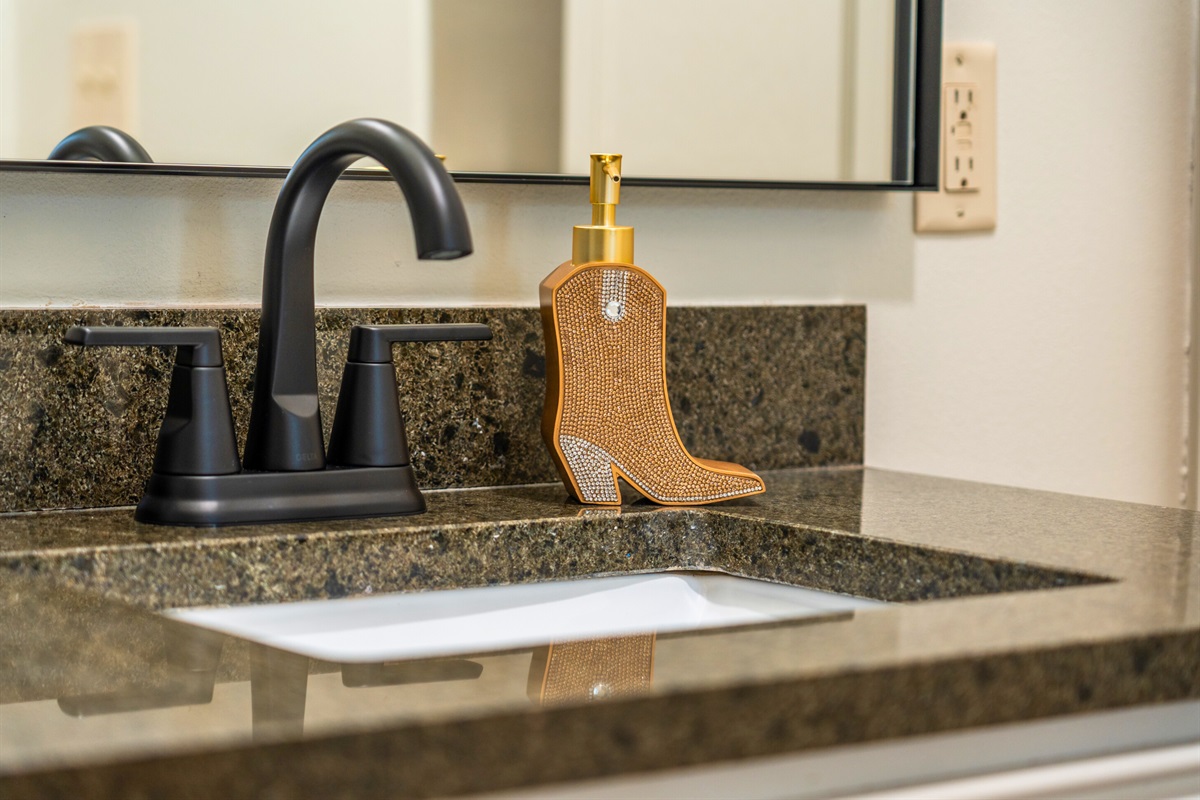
1038, 605
769, 388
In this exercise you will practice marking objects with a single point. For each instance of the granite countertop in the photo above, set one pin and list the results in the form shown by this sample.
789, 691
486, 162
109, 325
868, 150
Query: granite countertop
1009, 605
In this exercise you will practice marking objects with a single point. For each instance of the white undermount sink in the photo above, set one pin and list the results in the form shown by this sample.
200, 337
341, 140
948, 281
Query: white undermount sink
394, 627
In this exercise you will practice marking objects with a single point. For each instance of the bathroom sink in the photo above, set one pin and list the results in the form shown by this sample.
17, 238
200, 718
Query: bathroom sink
460, 621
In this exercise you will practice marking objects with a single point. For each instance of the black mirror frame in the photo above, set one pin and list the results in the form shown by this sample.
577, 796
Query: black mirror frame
914, 140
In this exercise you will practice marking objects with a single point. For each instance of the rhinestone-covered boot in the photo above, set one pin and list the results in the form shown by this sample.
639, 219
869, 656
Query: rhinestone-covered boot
607, 412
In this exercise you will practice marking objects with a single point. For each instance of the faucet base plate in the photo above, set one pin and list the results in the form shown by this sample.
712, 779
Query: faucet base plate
260, 497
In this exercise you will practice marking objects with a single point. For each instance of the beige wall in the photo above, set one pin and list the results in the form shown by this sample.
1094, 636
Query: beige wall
1049, 353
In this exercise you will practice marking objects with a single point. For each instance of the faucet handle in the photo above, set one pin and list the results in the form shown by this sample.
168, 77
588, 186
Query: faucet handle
196, 437
372, 344
368, 430
198, 347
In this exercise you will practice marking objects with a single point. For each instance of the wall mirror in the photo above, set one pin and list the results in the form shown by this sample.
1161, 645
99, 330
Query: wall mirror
804, 93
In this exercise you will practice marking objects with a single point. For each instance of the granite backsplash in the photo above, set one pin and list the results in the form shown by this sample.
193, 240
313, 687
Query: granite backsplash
767, 387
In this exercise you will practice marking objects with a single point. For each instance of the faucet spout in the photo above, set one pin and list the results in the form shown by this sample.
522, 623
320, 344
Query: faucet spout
101, 143
285, 418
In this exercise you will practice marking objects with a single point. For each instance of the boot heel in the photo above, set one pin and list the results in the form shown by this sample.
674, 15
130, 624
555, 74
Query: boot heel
591, 468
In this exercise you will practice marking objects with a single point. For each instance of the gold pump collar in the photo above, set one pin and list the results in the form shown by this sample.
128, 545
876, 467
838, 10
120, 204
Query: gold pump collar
603, 240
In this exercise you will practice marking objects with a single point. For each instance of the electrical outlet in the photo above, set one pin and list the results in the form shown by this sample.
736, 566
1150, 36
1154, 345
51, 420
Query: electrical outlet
966, 196
104, 86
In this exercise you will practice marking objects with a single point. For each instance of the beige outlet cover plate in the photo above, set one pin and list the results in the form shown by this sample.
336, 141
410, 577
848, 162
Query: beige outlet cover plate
965, 67
104, 81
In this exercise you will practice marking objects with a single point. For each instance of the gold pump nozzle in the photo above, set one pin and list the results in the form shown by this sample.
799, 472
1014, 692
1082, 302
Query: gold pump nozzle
603, 240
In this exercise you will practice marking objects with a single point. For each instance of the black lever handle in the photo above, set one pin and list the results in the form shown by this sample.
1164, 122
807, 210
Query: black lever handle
198, 347
197, 435
368, 430
372, 344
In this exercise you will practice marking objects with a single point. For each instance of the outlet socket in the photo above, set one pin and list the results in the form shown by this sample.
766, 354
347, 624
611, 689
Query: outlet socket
966, 197
958, 154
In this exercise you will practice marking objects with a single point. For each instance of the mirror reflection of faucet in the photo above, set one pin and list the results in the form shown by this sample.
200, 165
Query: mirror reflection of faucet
285, 474
279, 684
278, 680
403, 673
100, 143
192, 655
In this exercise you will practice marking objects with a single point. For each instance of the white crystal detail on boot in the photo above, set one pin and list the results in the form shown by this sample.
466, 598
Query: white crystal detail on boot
614, 288
591, 467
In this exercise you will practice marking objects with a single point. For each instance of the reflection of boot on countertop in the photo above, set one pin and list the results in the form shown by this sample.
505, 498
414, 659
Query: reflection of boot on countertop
592, 670
607, 412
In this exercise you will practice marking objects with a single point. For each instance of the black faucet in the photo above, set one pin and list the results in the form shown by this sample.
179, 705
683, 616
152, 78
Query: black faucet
100, 143
285, 421
284, 474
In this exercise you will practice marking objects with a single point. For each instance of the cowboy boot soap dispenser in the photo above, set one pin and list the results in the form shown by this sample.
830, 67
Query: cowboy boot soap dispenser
607, 414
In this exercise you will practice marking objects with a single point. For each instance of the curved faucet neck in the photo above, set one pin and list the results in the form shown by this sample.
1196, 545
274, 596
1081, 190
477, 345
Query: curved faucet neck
285, 419
100, 143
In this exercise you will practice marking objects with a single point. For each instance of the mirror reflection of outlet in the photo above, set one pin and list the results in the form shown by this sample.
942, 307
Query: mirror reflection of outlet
966, 197
104, 78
